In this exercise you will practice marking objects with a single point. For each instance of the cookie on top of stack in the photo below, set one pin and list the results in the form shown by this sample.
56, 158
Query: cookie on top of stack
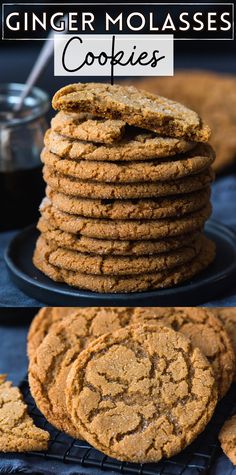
128, 180
138, 384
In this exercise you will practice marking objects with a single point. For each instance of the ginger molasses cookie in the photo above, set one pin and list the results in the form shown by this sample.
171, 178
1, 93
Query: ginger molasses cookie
81, 126
137, 144
105, 247
121, 265
18, 432
227, 439
140, 394
42, 322
91, 189
50, 363
205, 332
124, 229
124, 284
227, 315
155, 208
188, 164
135, 107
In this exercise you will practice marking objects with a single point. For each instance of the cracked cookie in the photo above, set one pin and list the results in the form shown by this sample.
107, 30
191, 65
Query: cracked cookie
128, 174
124, 284
17, 430
85, 127
89, 189
140, 394
205, 332
133, 172
112, 247
42, 322
51, 361
227, 315
136, 145
121, 265
155, 208
227, 438
135, 107
124, 229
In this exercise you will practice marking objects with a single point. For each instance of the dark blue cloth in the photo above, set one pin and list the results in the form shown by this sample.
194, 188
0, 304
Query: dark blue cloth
224, 210
10, 295
224, 200
37, 466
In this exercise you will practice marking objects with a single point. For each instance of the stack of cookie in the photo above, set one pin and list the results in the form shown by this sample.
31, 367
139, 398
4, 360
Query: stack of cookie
137, 384
128, 180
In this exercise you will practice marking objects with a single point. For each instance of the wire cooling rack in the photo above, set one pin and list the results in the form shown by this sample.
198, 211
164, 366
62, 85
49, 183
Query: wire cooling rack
195, 459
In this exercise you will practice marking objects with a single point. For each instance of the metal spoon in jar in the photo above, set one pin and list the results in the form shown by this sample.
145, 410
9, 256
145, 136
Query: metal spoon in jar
42, 60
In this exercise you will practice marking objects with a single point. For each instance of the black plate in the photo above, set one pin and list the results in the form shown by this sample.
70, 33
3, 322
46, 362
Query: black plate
211, 283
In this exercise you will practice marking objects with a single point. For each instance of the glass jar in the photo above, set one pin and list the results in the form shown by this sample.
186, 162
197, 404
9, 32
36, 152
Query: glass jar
21, 141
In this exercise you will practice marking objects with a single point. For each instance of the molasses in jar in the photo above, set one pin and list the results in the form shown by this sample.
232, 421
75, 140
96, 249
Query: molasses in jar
21, 141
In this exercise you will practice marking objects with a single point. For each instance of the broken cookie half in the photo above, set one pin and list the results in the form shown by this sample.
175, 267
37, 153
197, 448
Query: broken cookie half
17, 430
